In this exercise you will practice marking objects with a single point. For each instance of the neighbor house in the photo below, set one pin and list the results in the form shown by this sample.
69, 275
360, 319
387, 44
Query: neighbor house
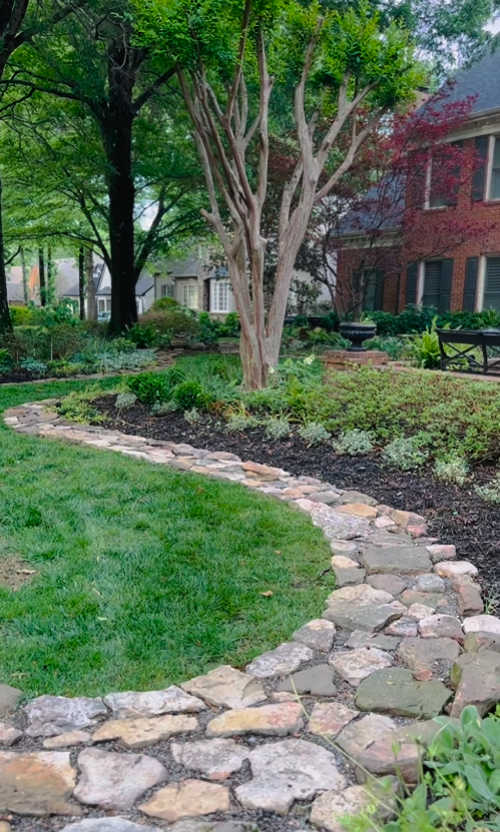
463, 271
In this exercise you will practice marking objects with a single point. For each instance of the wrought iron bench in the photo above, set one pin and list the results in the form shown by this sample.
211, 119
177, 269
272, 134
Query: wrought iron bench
463, 344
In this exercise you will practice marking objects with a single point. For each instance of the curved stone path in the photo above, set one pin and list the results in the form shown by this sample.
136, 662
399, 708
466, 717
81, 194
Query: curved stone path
304, 735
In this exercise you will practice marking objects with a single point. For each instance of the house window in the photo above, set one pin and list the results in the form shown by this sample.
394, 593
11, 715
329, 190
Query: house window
164, 290
491, 297
190, 295
373, 290
494, 178
221, 290
443, 177
436, 284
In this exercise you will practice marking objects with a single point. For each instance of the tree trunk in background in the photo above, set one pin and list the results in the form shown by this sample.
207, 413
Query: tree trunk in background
81, 282
51, 289
89, 280
5, 319
41, 277
26, 295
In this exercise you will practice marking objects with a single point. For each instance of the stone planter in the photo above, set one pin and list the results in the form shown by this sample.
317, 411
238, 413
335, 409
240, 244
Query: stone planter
356, 333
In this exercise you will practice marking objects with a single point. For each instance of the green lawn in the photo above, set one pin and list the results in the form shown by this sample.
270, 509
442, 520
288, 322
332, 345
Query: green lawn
144, 576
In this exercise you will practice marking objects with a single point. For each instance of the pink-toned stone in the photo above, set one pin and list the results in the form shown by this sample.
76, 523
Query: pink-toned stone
470, 601
67, 739
441, 551
187, 799
9, 734
384, 522
145, 730
217, 759
38, 783
328, 718
441, 626
482, 624
419, 611
406, 518
451, 569
343, 562
406, 627
271, 720
358, 510
355, 665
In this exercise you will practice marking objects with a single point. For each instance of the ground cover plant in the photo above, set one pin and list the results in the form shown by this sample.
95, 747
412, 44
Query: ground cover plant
459, 784
141, 576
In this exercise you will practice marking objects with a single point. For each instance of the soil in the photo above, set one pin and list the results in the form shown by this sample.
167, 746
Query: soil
14, 572
455, 514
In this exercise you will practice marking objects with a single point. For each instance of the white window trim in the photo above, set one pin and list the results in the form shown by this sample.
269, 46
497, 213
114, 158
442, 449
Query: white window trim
420, 282
215, 306
481, 283
427, 190
489, 169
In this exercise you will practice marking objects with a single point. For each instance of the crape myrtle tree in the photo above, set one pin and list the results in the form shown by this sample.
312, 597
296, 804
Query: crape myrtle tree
238, 64
381, 201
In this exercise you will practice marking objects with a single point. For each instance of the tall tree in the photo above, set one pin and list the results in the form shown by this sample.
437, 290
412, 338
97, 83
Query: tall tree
96, 62
348, 71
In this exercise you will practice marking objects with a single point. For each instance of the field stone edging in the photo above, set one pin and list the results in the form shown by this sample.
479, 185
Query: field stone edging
367, 541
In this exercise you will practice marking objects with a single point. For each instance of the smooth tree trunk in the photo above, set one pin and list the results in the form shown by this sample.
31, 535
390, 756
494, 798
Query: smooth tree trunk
24, 270
5, 319
41, 277
90, 285
81, 283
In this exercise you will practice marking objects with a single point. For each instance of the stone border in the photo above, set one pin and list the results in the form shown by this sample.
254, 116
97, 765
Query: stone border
288, 742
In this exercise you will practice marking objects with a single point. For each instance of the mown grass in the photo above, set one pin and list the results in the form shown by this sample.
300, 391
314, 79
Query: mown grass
144, 576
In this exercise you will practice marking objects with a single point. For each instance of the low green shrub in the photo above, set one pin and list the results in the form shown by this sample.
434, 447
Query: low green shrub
313, 433
165, 303
162, 408
192, 416
78, 407
150, 388
20, 315
394, 347
189, 394
406, 453
424, 348
452, 468
125, 400
36, 368
240, 419
143, 335
277, 427
353, 442
490, 491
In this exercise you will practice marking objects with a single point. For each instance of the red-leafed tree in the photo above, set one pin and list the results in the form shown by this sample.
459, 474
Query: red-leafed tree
411, 163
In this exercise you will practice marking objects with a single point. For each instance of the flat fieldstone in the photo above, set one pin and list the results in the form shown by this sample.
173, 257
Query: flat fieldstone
316, 680
143, 730
405, 518
440, 552
344, 547
369, 617
67, 739
216, 759
197, 825
358, 510
9, 734
228, 687
286, 658
404, 627
38, 783
360, 638
9, 698
362, 595
452, 569
350, 576
331, 808
418, 611
115, 824
473, 642
329, 718
173, 700
470, 601
286, 771
356, 497
418, 653
441, 626
476, 677
414, 596
393, 584
429, 583
317, 634
51, 715
374, 743
355, 665
188, 798
407, 560
113, 780
482, 624
395, 691
271, 720
334, 524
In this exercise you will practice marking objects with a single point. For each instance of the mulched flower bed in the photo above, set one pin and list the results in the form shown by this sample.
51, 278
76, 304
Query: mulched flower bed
454, 514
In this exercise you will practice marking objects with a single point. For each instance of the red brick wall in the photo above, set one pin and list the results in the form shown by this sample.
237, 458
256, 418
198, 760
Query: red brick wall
386, 258
482, 219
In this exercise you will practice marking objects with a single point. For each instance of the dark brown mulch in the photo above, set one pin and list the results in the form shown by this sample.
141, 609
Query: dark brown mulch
454, 514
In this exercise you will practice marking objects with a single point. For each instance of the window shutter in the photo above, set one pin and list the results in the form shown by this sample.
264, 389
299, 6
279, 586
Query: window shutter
479, 175
492, 287
469, 301
379, 289
445, 286
411, 284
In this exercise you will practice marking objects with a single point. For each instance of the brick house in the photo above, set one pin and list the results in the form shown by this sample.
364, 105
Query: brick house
462, 273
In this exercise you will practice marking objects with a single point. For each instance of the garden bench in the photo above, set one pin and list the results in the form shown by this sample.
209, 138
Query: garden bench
463, 346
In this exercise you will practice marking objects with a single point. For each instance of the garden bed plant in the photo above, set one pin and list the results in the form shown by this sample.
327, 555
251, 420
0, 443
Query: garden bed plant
427, 442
